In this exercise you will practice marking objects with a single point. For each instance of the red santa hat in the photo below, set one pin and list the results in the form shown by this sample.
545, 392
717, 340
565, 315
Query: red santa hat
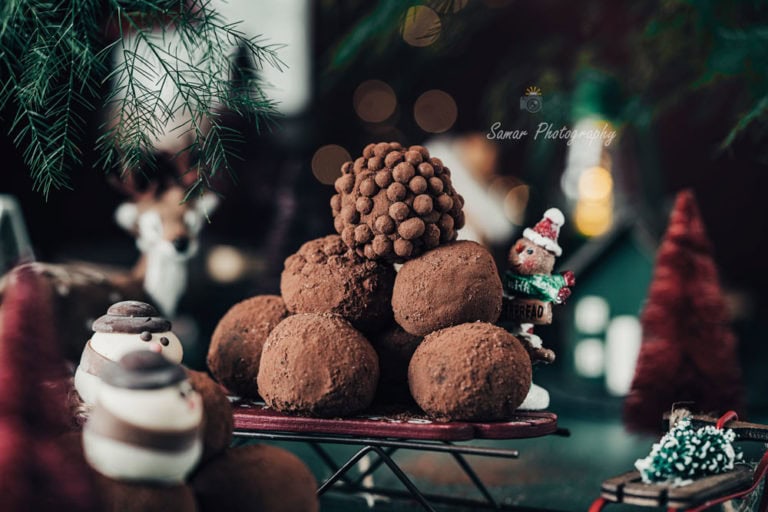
545, 232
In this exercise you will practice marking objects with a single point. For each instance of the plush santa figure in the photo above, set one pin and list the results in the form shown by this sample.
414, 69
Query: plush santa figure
128, 326
146, 424
530, 289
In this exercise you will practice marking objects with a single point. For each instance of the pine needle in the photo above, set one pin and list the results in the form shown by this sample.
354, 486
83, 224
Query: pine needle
54, 64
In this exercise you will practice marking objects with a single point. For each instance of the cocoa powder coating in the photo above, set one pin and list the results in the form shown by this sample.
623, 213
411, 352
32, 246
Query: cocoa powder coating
128, 496
395, 347
325, 276
236, 344
218, 422
318, 365
255, 477
472, 372
402, 197
453, 284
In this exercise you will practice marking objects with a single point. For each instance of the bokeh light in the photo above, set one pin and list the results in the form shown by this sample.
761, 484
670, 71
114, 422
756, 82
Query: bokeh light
480, 156
374, 101
594, 218
594, 208
225, 264
421, 26
589, 358
595, 184
515, 203
327, 161
592, 314
435, 111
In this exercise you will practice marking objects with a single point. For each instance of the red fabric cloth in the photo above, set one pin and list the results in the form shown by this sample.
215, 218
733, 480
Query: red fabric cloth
40, 468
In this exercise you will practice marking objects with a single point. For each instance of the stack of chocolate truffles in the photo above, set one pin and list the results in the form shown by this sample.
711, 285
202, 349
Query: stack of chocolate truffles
348, 328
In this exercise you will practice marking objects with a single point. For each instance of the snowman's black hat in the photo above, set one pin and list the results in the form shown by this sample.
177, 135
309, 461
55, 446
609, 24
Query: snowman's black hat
144, 369
131, 317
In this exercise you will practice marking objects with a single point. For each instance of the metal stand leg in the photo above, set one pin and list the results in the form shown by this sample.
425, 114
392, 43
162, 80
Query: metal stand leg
376, 464
328, 460
404, 479
385, 457
385, 448
475, 480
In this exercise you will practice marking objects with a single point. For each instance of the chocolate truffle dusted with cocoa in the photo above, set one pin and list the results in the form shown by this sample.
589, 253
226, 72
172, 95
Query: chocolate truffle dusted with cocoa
394, 347
255, 478
121, 496
450, 285
394, 203
472, 372
324, 276
218, 422
236, 344
318, 365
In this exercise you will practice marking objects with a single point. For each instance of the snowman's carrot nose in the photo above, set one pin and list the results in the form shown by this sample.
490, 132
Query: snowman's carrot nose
155, 347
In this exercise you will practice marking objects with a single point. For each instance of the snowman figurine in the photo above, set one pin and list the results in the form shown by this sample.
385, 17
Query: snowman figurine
146, 423
530, 289
128, 326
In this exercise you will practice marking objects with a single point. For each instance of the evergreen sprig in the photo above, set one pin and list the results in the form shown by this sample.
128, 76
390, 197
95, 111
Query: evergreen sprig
685, 453
56, 61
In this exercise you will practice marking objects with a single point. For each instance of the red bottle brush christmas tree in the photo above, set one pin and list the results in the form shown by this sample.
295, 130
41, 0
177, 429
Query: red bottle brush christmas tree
689, 351
39, 469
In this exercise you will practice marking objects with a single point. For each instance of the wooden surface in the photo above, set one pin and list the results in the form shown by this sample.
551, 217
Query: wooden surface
628, 488
253, 416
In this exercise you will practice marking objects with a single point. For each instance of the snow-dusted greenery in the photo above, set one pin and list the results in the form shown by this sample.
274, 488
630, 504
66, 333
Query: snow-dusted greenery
684, 454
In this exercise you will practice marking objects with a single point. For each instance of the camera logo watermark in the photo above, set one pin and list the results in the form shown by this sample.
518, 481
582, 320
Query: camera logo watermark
532, 101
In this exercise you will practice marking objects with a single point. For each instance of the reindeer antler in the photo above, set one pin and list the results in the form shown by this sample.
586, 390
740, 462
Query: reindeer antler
129, 186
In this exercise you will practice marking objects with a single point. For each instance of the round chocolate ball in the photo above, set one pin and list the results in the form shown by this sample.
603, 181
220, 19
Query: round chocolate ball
449, 285
395, 347
472, 372
217, 414
236, 344
120, 496
318, 365
399, 194
324, 276
255, 477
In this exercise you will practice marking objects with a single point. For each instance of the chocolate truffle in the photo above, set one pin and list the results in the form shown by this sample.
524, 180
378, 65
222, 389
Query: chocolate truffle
394, 347
318, 365
450, 285
255, 477
119, 496
217, 414
395, 203
236, 344
324, 276
472, 372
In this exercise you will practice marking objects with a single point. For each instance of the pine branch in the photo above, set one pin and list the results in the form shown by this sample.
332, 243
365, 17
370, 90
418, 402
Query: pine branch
54, 65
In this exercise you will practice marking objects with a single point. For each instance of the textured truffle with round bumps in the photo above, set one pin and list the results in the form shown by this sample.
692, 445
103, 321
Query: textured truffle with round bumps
394, 203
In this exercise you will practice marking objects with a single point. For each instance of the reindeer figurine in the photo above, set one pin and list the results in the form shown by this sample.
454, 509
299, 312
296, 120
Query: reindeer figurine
166, 228
166, 231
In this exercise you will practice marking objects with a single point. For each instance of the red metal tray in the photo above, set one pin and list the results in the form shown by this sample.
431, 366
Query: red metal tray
255, 416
